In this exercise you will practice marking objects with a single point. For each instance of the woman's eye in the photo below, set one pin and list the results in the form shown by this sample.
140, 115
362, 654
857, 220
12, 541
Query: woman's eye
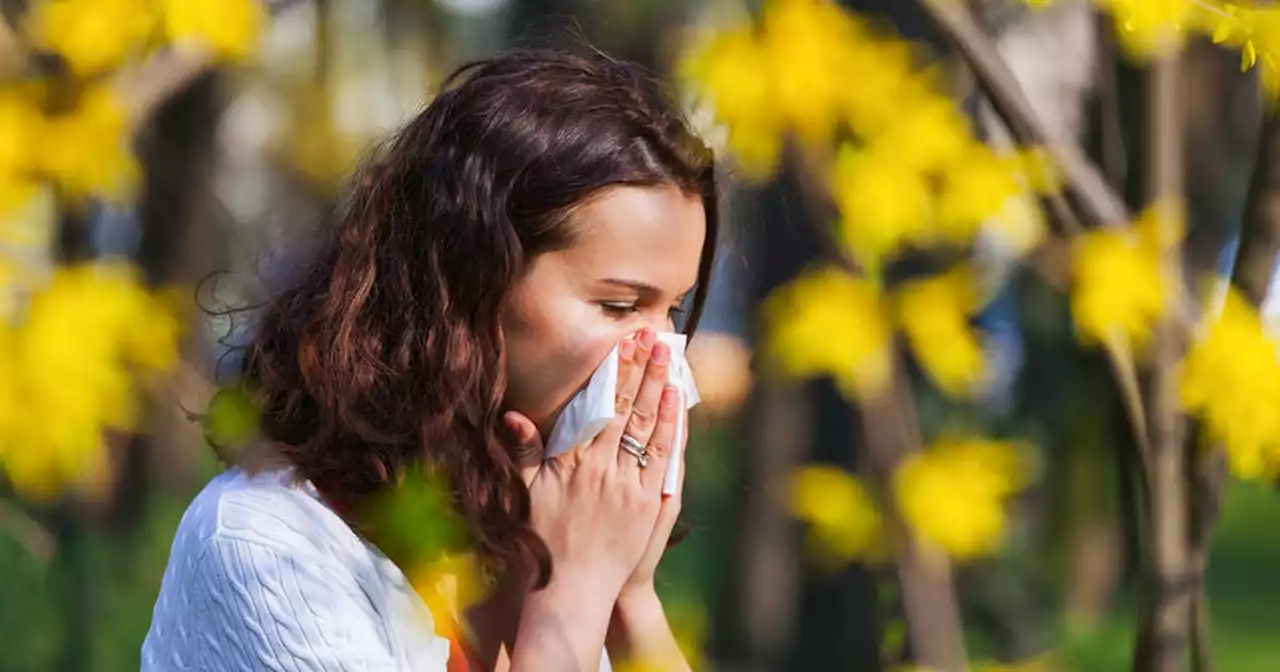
618, 309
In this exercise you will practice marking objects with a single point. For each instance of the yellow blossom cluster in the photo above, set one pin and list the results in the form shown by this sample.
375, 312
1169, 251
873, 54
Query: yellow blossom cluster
843, 521
953, 496
99, 36
77, 342
909, 170
1149, 28
1230, 379
75, 132
448, 584
1120, 289
83, 150
72, 369
831, 322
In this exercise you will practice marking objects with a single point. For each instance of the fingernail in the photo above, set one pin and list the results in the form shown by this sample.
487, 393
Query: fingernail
661, 353
647, 338
627, 349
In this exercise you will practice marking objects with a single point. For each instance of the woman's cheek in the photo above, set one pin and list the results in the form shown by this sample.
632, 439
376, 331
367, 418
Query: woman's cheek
582, 354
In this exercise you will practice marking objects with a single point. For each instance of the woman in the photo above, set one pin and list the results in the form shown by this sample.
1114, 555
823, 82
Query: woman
544, 208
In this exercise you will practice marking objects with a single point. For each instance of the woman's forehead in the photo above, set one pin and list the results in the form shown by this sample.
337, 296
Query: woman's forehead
640, 234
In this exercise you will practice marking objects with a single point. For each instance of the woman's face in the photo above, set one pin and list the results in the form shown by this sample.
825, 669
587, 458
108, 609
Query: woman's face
635, 256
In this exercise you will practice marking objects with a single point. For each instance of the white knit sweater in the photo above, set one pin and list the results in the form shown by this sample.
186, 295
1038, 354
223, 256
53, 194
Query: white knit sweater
264, 576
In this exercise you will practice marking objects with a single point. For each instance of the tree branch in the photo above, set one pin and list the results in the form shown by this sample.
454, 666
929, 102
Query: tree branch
1260, 232
928, 592
1166, 619
148, 86
33, 536
1098, 201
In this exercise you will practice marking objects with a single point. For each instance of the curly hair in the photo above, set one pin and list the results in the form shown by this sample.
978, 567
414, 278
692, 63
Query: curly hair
387, 353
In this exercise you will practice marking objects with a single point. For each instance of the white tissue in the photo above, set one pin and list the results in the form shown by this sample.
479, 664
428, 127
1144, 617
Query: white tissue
593, 407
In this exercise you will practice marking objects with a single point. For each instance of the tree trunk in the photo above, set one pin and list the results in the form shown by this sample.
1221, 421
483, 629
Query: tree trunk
178, 246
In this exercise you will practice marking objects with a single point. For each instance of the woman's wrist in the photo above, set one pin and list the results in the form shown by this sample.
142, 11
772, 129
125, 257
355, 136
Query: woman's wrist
565, 624
640, 604
639, 630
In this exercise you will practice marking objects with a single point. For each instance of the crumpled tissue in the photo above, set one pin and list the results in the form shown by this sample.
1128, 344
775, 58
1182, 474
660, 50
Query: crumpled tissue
593, 407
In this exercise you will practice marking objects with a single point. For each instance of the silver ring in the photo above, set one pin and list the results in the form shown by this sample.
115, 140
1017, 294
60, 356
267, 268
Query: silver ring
636, 449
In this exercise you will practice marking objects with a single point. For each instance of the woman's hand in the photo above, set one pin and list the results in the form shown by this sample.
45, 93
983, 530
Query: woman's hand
597, 507
638, 629
640, 583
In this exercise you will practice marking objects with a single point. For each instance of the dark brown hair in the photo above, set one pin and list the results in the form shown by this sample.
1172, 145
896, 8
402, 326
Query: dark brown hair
387, 353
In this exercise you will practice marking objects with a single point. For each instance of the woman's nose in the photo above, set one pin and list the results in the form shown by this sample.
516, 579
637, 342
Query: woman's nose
660, 323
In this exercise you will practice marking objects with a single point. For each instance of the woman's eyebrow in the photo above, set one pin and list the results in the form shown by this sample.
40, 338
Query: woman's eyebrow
638, 286
644, 288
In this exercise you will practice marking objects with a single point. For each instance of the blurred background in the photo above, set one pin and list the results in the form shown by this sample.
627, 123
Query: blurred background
231, 145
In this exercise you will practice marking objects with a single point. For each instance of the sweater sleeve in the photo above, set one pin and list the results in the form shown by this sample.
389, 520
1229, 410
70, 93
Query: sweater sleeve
246, 605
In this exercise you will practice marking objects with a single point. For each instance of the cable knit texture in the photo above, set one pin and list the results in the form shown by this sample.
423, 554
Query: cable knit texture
263, 576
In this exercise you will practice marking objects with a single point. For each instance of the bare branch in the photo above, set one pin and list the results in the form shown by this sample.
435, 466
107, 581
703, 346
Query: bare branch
1165, 622
1260, 232
161, 77
170, 70
38, 541
1099, 202
928, 592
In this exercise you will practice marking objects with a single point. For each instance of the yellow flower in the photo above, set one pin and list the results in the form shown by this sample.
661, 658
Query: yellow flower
448, 585
1231, 380
1149, 28
230, 28
977, 189
20, 131
806, 46
953, 495
93, 36
87, 150
73, 374
884, 205
730, 69
929, 135
843, 523
1255, 31
20, 126
830, 322
934, 314
1120, 289
888, 85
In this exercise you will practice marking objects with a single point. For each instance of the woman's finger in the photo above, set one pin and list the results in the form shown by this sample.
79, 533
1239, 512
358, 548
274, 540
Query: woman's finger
527, 450
633, 357
681, 454
658, 449
644, 415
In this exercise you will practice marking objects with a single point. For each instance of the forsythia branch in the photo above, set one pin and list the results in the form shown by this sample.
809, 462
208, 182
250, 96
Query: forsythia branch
1165, 622
928, 592
1097, 199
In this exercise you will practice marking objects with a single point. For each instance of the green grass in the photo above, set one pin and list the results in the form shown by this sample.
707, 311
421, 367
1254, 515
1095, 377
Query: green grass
1244, 594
